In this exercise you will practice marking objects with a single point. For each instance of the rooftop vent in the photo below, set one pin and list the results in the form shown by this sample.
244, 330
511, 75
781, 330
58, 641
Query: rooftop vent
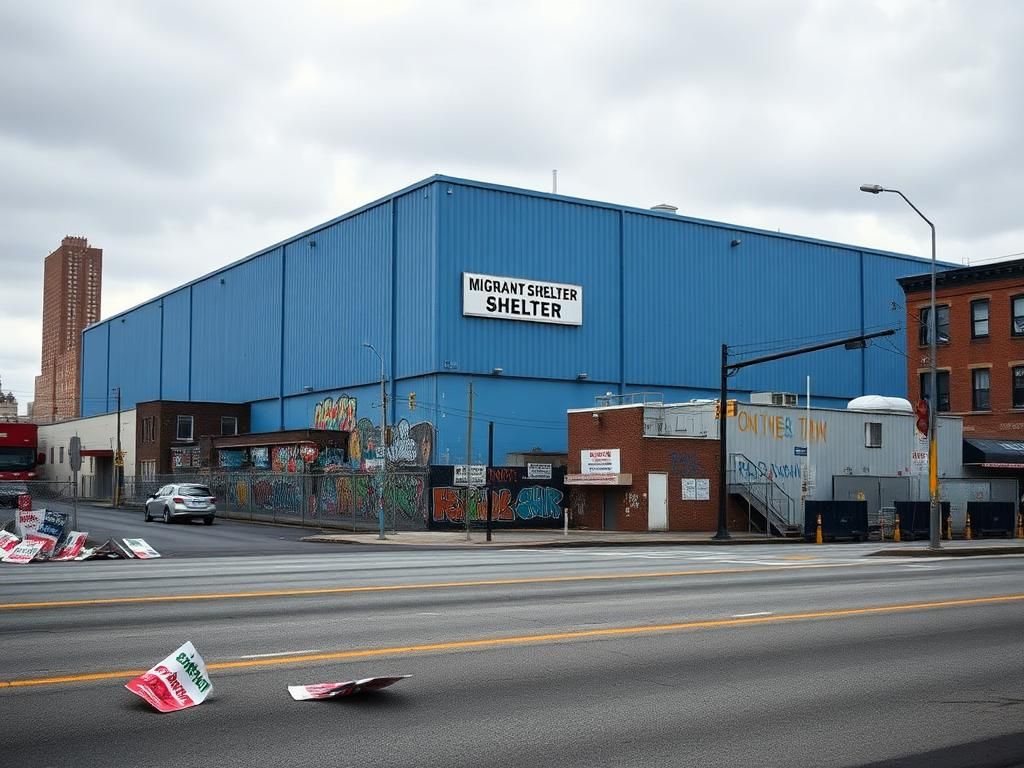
664, 208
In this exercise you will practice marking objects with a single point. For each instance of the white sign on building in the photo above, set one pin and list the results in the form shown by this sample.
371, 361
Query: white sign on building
513, 298
538, 471
600, 461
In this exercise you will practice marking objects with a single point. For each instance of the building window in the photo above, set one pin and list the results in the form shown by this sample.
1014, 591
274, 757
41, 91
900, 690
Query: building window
61, 454
92, 465
185, 428
1018, 387
229, 425
980, 389
1017, 310
147, 429
873, 434
979, 319
941, 384
941, 324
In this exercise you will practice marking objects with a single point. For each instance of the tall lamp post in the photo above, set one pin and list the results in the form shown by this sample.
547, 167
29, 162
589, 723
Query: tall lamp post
383, 431
933, 394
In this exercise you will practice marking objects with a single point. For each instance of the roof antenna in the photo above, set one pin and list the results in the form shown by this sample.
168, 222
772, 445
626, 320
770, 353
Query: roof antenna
554, 181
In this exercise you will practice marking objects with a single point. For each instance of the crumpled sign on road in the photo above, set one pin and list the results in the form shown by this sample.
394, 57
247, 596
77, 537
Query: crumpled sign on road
318, 691
8, 541
24, 552
72, 546
140, 549
178, 682
47, 526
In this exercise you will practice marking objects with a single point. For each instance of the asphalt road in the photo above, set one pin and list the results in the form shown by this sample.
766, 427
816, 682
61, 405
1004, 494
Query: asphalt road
752, 655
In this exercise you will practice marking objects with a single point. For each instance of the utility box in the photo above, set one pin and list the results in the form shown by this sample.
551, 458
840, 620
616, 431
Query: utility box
839, 520
991, 518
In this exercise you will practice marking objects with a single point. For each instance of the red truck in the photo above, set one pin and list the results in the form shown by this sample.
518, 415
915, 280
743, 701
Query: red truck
19, 446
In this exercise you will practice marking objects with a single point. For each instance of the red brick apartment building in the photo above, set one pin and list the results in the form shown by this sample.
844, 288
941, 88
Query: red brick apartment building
980, 361
72, 283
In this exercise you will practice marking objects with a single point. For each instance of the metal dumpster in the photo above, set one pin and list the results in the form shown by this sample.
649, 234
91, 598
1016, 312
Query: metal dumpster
992, 518
839, 520
914, 518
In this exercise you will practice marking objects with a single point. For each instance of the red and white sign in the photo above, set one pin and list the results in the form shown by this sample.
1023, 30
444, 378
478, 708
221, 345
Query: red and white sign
600, 461
24, 502
72, 546
319, 691
24, 552
8, 541
178, 682
43, 525
140, 549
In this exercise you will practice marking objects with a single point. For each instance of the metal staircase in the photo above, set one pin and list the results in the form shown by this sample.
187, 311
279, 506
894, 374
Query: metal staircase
764, 496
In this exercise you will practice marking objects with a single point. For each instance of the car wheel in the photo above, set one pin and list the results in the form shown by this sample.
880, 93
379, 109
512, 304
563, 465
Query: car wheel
167, 515
207, 521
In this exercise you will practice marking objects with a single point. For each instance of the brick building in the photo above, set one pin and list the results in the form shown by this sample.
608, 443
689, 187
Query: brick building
72, 283
168, 433
980, 329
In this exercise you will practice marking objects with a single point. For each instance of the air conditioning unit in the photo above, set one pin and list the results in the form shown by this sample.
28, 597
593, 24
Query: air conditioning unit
773, 398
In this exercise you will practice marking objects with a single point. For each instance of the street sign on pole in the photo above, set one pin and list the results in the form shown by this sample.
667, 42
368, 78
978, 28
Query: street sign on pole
478, 476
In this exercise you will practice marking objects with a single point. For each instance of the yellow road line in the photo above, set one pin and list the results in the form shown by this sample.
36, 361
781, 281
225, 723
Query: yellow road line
407, 587
496, 642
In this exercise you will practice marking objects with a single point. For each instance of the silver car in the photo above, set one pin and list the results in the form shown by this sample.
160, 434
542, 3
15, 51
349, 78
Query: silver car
182, 501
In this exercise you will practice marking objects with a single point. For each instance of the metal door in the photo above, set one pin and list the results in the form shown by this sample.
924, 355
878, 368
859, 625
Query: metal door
657, 501
613, 499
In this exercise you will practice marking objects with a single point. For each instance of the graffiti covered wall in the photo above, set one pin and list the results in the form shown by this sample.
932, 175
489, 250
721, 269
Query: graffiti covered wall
513, 500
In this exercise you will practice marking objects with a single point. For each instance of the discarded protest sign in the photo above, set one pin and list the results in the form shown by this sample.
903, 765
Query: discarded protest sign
178, 682
8, 541
319, 691
140, 549
23, 552
44, 525
73, 545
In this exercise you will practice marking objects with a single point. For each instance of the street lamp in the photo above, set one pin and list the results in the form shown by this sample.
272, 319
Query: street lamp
383, 430
933, 394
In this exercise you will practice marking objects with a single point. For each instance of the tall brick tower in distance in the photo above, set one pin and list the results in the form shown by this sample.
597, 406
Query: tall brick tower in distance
72, 280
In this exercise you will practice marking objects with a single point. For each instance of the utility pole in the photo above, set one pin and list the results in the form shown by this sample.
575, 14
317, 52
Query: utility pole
118, 458
383, 471
469, 458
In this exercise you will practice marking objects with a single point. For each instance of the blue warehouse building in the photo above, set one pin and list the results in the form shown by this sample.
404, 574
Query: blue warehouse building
543, 301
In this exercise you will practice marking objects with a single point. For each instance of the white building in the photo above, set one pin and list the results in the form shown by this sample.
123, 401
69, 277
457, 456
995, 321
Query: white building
99, 443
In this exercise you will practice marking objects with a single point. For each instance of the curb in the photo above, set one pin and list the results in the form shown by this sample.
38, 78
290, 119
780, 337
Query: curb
949, 552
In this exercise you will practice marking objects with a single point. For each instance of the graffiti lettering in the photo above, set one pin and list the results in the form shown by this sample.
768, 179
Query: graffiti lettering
685, 464
539, 501
449, 506
337, 414
498, 475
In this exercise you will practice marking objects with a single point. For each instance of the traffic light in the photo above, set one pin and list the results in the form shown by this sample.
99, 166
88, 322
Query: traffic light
730, 408
412, 401
718, 409
922, 417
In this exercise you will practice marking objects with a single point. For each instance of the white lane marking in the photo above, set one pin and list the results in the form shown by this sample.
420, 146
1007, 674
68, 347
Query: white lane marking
281, 653
428, 613
921, 567
748, 615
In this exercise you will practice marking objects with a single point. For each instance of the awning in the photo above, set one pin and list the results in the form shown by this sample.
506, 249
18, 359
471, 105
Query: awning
105, 453
602, 479
994, 454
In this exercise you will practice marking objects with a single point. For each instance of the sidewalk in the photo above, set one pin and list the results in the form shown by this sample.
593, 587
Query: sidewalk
506, 539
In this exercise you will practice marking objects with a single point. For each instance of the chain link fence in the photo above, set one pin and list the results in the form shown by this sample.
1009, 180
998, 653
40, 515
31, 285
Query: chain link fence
42, 492
344, 500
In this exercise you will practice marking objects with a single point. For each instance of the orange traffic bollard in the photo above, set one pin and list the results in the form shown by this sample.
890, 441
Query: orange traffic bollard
896, 528
967, 529
1020, 525
949, 527
817, 536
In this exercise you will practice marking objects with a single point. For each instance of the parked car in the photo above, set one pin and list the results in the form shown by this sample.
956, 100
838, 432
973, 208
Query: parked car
182, 501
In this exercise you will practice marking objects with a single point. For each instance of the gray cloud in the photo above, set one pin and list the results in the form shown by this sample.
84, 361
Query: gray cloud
183, 135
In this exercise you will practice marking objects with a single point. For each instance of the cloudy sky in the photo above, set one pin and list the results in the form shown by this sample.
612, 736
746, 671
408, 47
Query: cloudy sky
179, 136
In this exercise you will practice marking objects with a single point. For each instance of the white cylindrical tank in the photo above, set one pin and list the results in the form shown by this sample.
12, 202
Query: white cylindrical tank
880, 403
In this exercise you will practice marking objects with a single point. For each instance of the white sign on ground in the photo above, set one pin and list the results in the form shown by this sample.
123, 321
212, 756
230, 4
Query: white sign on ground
8, 541
23, 553
178, 682
599, 461
73, 545
141, 549
513, 298
319, 691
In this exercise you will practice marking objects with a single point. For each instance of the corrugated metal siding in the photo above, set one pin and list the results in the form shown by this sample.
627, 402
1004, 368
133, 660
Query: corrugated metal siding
236, 332
265, 416
135, 355
688, 291
300, 411
885, 362
337, 296
415, 290
498, 233
95, 393
175, 345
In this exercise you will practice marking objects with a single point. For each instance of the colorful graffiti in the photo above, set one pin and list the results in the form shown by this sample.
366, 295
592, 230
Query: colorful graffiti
260, 457
450, 505
783, 427
334, 414
750, 471
231, 458
357, 497
537, 501
278, 494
